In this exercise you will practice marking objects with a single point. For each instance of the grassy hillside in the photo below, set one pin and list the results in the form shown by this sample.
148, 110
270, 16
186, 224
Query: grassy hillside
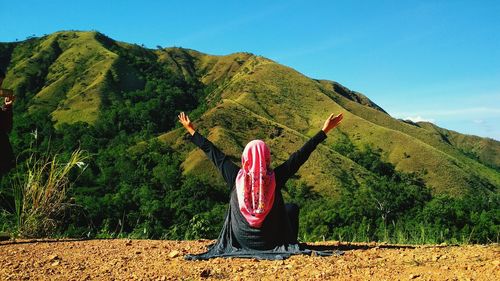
64, 72
247, 96
375, 177
276, 93
485, 150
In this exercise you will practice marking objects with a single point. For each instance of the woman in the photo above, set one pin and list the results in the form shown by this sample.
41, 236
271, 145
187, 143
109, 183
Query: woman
258, 223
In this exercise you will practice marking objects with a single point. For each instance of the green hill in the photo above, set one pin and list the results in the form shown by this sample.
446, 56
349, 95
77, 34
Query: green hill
263, 90
248, 96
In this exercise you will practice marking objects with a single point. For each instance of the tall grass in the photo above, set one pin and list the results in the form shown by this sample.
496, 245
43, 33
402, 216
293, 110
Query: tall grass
40, 193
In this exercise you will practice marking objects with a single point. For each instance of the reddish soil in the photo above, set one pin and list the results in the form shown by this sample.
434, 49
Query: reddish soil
123, 259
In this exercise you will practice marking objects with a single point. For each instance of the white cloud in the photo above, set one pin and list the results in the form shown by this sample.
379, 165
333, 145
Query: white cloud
453, 112
419, 119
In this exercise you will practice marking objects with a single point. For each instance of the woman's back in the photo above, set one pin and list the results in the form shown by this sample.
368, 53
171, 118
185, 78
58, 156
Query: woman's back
276, 229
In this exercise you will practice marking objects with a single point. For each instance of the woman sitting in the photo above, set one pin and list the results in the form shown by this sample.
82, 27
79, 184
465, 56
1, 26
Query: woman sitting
258, 224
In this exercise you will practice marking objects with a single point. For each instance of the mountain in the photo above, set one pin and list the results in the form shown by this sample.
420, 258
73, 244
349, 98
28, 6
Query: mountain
75, 75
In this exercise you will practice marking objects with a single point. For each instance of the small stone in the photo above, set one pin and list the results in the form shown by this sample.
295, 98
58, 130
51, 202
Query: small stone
205, 273
55, 263
53, 257
128, 242
413, 276
174, 254
436, 258
137, 252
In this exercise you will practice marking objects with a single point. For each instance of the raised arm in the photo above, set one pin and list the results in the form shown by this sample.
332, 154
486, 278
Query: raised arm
227, 168
298, 158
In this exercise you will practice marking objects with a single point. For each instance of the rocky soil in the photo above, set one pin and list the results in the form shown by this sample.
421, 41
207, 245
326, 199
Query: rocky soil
122, 259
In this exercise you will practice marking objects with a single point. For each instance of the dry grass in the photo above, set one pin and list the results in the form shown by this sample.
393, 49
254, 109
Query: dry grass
41, 193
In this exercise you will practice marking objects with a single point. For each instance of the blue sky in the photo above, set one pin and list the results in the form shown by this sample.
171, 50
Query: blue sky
425, 60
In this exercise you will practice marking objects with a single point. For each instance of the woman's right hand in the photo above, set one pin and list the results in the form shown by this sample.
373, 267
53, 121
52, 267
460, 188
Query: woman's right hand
184, 119
332, 122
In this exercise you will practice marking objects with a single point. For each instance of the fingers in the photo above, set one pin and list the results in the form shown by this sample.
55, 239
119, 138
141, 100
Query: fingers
333, 116
339, 118
183, 118
9, 100
335, 119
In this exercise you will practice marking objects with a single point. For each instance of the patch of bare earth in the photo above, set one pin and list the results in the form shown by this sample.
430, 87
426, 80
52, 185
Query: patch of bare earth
122, 259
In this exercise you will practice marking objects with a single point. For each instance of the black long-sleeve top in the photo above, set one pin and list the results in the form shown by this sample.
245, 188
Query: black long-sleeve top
6, 119
6, 154
275, 230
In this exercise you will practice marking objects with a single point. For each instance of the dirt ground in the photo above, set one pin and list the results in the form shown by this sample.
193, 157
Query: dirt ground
122, 259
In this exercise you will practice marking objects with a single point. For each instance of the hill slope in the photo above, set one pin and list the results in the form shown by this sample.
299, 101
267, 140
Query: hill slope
75, 75
262, 91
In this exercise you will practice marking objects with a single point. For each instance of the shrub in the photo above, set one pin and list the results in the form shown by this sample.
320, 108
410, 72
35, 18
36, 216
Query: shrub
40, 193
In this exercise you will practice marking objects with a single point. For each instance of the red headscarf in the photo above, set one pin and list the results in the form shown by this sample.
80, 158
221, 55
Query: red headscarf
255, 183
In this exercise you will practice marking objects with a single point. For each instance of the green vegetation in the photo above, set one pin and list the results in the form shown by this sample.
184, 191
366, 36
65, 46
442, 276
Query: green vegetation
121, 192
40, 193
394, 207
377, 179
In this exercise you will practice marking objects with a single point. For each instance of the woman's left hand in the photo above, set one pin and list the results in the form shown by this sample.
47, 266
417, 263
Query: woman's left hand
332, 122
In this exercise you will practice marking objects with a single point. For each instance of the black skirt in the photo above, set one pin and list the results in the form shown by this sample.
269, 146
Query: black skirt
275, 240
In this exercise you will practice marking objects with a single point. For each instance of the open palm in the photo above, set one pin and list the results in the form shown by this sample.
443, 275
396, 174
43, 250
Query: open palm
332, 122
184, 119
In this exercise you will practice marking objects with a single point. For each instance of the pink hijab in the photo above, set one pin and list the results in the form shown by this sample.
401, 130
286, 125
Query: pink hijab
255, 183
